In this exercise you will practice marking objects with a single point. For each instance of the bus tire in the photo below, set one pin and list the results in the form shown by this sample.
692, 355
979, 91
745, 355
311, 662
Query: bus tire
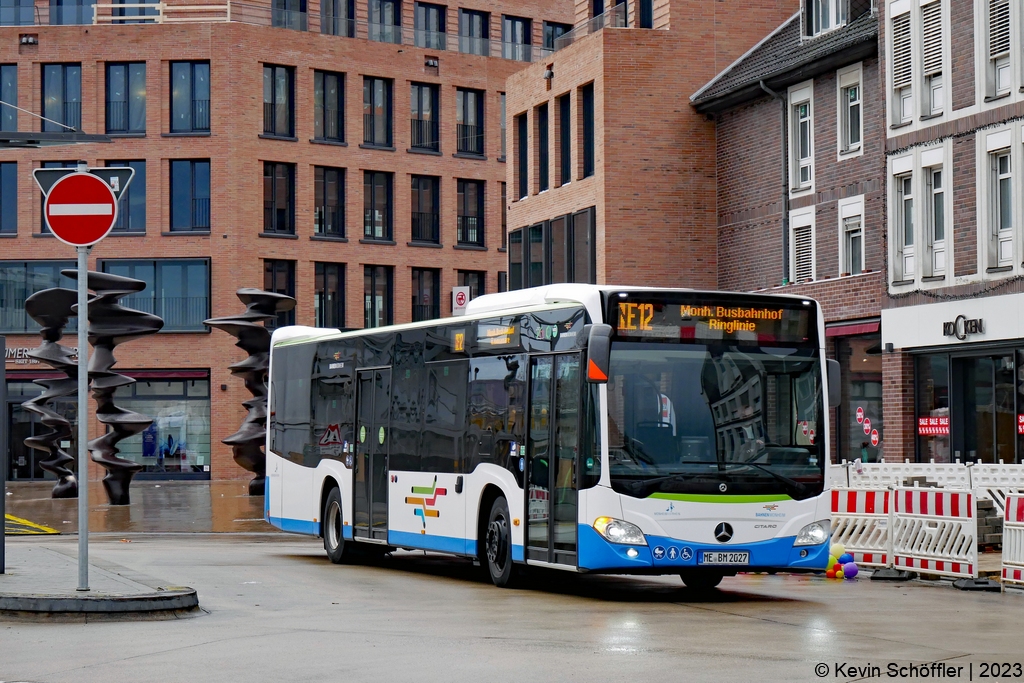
701, 580
338, 550
498, 545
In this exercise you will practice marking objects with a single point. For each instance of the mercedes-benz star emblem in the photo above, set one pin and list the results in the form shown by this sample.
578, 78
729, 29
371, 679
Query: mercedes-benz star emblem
723, 532
723, 487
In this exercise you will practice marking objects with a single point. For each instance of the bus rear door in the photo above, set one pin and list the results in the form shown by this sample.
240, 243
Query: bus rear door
370, 469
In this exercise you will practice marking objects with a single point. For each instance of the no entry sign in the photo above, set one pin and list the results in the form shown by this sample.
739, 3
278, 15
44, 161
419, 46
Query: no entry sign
80, 209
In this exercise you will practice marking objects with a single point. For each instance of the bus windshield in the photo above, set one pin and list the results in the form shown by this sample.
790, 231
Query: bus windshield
718, 419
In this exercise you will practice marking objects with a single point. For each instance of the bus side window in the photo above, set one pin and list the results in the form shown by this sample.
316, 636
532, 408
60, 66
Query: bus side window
444, 423
406, 417
291, 423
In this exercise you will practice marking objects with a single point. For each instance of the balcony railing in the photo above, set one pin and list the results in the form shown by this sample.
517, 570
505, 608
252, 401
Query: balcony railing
329, 221
199, 119
432, 40
470, 139
338, 26
426, 227
471, 230
180, 313
200, 218
376, 129
385, 33
474, 46
376, 225
614, 17
425, 134
329, 123
117, 117
520, 52
425, 312
277, 119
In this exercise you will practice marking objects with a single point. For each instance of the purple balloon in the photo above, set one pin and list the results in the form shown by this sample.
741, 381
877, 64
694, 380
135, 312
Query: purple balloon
850, 570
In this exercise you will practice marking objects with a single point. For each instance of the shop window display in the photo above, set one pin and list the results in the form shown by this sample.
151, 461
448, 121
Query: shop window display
860, 415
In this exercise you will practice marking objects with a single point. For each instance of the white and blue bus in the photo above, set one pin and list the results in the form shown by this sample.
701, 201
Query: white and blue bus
577, 427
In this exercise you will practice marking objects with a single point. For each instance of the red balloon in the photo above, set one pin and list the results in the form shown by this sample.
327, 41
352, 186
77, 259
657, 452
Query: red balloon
831, 573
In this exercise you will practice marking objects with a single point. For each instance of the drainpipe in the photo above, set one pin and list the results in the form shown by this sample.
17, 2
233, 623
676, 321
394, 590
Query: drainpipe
785, 179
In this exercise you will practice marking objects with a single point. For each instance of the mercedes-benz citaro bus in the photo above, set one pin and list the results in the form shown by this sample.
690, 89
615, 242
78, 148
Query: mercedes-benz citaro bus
578, 427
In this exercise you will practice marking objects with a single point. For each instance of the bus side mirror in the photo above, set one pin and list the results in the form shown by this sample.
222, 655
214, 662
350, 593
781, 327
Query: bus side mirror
835, 392
599, 348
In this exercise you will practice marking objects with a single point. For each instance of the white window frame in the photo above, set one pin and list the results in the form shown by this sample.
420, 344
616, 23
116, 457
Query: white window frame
838, 11
933, 84
847, 78
936, 178
904, 254
1001, 181
798, 95
902, 89
850, 210
799, 221
998, 66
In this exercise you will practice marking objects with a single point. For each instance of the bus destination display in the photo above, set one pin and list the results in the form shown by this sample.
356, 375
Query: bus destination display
707, 321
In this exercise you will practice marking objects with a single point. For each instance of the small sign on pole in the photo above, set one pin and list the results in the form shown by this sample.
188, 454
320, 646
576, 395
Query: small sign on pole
460, 297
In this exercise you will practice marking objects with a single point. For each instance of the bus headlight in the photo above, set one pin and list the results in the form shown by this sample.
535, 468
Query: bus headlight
617, 531
814, 533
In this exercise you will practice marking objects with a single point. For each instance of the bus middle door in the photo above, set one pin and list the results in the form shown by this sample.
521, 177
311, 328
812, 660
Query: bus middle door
370, 470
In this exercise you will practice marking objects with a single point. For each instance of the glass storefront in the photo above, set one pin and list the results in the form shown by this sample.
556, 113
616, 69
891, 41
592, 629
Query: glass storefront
968, 407
23, 462
859, 418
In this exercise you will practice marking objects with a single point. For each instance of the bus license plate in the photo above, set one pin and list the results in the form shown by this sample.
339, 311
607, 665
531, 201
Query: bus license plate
719, 557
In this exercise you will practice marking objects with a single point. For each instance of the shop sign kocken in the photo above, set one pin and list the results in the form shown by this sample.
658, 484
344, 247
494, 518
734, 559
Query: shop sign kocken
963, 326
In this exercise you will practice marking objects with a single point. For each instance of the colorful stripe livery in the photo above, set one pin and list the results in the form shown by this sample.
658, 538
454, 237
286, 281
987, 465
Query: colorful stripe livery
860, 501
935, 503
426, 504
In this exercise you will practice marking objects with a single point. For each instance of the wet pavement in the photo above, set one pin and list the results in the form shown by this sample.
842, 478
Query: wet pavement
275, 609
157, 506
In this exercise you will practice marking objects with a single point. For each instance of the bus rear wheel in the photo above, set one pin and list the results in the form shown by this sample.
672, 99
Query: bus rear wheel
498, 545
337, 549
701, 580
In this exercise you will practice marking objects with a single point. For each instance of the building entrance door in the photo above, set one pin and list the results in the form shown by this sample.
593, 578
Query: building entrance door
982, 413
23, 462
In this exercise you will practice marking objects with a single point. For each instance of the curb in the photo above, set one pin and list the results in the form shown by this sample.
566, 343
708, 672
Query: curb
170, 599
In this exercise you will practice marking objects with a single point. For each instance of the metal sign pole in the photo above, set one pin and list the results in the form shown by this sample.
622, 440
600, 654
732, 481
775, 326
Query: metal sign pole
3, 457
83, 420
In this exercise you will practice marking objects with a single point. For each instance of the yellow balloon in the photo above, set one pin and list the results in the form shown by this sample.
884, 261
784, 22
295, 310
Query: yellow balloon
839, 574
837, 550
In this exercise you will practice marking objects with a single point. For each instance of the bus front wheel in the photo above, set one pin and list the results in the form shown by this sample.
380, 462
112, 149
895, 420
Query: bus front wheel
701, 580
498, 544
334, 538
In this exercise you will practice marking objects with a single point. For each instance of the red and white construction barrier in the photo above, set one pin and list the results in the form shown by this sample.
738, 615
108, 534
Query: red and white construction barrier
935, 531
1013, 540
860, 521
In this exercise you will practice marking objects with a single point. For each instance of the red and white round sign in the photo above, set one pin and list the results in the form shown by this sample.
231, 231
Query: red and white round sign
860, 414
867, 425
874, 437
803, 426
460, 298
80, 209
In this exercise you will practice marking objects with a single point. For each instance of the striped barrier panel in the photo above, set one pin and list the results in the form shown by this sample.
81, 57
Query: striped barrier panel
935, 531
861, 522
1013, 540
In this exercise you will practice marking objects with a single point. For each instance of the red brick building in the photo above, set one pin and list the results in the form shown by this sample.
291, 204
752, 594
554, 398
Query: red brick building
800, 132
350, 154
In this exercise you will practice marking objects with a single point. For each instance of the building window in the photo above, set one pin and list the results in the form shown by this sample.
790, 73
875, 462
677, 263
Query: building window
426, 288
8, 93
190, 97
803, 150
853, 243
474, 279
587, 97
44, 227
564, 141
289, 14
646, 18
177, 442
126, 98
190, 195
552, 32
936, 228
138, 12
931, 31
502, 281
999, 70
516, 38
19, 280
19, 13
543, 156
426, 212
1002, 209
424, 110
69, 12
329, 106
377, 296
176, 290
522, 157
801, 247
131, 208
279, 277
62, 97
469, 121
430, 26
504, 216
515, 260
824, 15
558, 250
850, 107
902, 70
278, 101
504, 132
861, 370
474, 32
329, 300
278, 198
377, 205
905, 227
9, 198
329, 200
338, 18
385, 24
471, 212
377, 111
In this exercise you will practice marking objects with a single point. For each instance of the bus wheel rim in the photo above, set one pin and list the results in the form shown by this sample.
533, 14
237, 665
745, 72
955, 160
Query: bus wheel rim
496, 543
333, 525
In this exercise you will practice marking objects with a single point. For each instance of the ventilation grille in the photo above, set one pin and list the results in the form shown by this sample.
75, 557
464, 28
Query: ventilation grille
803, 254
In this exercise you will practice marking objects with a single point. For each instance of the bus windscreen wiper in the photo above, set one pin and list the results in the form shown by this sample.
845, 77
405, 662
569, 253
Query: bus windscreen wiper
792, 485
640, 487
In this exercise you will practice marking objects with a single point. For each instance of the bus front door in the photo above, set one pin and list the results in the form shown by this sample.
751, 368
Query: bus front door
370, 470
552, 447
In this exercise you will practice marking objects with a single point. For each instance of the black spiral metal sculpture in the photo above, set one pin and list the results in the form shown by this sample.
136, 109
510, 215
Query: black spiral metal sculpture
253, 338
111, 324
52, 308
